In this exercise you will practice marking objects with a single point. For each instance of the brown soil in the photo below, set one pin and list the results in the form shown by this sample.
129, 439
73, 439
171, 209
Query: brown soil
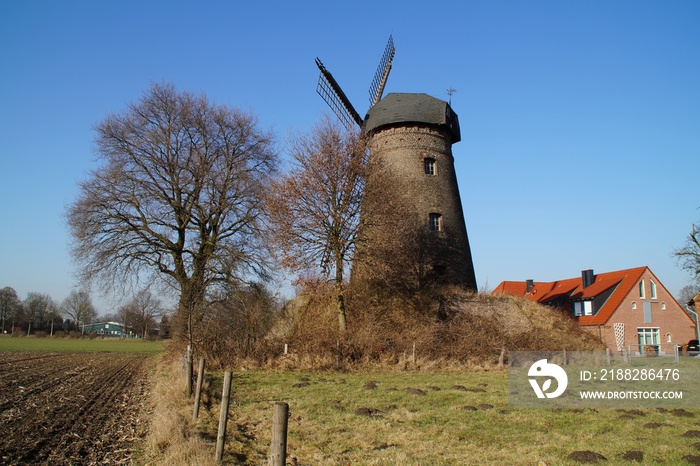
61, 409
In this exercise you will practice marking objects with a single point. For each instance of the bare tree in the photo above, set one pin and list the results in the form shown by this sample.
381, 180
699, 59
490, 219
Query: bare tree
240, 319
687, 293
78, 306
314, 209
142, 310
177, 197
37, 308
8, 304
688, 256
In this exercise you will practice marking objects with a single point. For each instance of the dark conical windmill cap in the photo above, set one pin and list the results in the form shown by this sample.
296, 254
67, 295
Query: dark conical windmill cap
405, 108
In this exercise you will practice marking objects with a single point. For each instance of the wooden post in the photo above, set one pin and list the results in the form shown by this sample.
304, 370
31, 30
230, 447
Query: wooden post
607, 355
413, 355
278, 448
223, 417
198, 392
502, 357
188, 371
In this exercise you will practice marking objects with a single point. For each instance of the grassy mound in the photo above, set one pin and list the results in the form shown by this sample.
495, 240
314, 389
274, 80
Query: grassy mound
449, 327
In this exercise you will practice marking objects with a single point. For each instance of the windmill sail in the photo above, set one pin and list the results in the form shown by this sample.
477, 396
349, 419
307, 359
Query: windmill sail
376, 89
333, 95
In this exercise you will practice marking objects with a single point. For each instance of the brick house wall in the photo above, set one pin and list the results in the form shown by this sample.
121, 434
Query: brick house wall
673, 323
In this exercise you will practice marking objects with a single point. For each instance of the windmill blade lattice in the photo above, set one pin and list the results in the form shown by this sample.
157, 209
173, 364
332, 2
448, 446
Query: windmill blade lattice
333, 95
376, 89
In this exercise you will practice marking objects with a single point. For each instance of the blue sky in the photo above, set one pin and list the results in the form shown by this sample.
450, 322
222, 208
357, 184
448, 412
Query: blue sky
580, 120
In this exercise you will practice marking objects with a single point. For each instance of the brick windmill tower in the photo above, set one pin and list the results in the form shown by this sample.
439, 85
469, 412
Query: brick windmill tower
413, 232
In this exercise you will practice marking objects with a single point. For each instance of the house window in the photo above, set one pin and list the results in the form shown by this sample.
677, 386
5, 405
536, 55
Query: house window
647, 336
583, 308
668, 338
641, 289
435, 222
429, 166
653, 289
663, 306
634, 304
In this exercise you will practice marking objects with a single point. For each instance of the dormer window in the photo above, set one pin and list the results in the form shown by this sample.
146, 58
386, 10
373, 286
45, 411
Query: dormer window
583, 308
429, 166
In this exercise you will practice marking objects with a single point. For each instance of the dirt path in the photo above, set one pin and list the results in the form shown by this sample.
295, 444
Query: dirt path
62, 409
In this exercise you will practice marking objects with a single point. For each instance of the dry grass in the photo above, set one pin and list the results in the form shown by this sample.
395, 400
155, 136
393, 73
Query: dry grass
173, 438
448, 328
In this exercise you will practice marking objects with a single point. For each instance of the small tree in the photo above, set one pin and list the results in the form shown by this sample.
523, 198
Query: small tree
687, 293
314, 209
37, 308
78, 307
142, 310
688, 256
8, 304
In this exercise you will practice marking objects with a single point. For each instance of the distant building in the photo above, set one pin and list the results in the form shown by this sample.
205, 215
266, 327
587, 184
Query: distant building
110, 330
627, 309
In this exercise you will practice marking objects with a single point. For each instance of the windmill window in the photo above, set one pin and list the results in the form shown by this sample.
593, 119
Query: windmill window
429, 166
435, 222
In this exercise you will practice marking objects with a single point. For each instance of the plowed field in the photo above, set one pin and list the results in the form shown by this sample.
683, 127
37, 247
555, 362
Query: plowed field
71, 408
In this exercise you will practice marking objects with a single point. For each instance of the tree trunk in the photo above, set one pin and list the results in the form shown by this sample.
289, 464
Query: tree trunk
340, 299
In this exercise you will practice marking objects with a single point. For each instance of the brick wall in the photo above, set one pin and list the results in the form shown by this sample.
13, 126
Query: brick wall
666, 315
406, 194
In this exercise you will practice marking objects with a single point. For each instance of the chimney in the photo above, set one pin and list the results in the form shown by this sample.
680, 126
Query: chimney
587, 277
529, 284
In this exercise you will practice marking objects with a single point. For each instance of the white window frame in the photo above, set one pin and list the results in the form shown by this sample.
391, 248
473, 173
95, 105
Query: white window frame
583, 308
435, 221
653, 289
430, 166
642, 294
648, 333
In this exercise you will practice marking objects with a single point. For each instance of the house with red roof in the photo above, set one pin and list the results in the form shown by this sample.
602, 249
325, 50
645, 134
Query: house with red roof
627, 309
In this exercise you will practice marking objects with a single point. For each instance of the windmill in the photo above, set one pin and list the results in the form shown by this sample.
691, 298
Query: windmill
331, 92
413, 229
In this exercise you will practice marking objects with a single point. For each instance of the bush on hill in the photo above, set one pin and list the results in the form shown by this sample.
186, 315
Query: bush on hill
438, 329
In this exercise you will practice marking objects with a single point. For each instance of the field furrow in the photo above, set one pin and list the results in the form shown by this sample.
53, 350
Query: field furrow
72, 409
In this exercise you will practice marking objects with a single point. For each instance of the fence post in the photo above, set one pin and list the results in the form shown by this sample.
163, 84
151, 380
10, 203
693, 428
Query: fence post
223, 417
607, 355
278, 448
413, 354
198, 391
188, 371
502, 358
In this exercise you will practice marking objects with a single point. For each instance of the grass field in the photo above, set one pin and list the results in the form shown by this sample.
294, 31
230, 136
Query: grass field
439, 418
79, 345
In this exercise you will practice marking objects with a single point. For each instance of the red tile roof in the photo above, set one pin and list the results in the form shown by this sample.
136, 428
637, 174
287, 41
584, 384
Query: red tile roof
572, 289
